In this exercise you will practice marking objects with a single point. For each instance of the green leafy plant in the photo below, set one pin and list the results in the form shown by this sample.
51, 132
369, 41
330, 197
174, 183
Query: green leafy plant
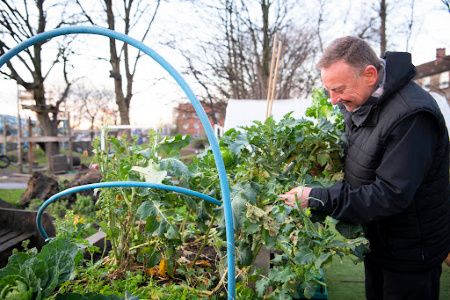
117, 211
322, 108
142, 223
84, 206
162, 236
14, 287
268, 159
30, 275
57, 209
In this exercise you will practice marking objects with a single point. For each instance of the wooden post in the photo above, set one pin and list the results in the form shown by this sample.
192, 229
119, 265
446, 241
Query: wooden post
69, 142
30, 148
48, 154
5, 144
19, 134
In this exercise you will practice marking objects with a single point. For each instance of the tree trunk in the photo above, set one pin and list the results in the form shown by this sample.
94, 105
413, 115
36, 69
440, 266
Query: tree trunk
48, 127
92, 128
124, 108
383, 41
265, 6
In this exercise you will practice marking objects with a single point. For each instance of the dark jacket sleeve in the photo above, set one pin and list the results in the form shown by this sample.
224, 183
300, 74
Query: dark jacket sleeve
406, 160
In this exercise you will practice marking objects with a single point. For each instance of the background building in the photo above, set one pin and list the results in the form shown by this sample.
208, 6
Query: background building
435, 75
187, 121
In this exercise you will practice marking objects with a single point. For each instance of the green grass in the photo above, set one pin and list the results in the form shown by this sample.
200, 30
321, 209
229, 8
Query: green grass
40, 157
11, 196
345, 280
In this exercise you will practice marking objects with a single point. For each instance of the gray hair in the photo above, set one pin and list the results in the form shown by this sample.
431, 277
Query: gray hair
352, 50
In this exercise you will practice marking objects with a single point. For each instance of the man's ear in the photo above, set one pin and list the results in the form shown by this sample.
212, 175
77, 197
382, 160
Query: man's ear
370, 74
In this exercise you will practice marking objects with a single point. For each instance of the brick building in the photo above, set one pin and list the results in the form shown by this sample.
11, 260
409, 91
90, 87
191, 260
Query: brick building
187, 121
435, 75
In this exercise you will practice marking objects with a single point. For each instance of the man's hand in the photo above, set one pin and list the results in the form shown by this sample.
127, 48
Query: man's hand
447, 260
300, 193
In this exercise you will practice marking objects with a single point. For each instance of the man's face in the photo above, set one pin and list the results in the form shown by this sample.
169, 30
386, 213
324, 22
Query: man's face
348, 85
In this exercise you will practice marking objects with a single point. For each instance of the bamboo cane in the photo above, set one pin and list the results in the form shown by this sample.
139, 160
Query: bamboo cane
274, 84
269, 80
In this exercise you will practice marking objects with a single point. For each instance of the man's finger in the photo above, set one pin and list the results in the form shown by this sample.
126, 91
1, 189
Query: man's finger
289, 202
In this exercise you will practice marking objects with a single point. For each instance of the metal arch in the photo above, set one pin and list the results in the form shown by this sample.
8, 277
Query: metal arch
43, 37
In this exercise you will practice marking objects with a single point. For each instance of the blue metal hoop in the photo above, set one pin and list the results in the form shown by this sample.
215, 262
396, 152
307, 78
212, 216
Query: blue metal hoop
225, 190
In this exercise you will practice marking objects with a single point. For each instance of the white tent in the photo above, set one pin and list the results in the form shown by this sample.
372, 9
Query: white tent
244, 112
443, 105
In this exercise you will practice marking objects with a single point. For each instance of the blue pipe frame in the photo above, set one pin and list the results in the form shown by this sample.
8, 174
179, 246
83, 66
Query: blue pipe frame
225, 190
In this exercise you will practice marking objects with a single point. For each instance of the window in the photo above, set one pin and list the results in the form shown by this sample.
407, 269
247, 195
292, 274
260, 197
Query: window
185, 126
426, 82
444, 80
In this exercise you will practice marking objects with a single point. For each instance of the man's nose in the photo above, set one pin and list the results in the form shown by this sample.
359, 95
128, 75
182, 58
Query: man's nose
334, 98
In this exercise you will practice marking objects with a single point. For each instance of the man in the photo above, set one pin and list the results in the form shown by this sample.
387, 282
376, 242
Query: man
396, 179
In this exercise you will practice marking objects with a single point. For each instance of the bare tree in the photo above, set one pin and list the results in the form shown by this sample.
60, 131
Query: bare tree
235, 62
376, 26
123, 63
91, 105
320, 20
20, 21
410, 24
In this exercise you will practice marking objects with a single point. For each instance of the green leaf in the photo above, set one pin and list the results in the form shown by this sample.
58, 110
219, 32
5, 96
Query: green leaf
173, 233
236, 140
305, 256
149, 256
245, 256
243, 292
171, 145
154, 259
268, 240
348, 230
324, 257
60, 257
323, 158
158, 224
281, 274
175, 167
15, 264
151, 224
162, 229
14, 287
151, 173
46, 270
241, 194
261, 286
251, 228
149, 209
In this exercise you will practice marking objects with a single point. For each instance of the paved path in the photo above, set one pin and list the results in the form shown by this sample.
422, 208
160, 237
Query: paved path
12, 185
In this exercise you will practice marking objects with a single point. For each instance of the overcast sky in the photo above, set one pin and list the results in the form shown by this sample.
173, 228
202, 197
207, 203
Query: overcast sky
154, 100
